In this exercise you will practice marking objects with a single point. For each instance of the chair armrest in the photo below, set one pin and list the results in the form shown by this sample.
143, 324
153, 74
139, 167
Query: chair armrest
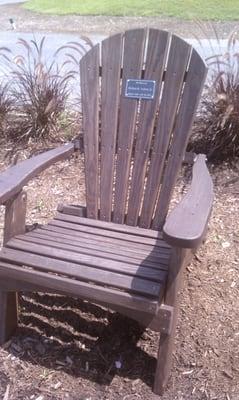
14, 178
186, 225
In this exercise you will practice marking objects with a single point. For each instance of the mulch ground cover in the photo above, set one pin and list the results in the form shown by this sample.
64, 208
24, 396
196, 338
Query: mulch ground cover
67, 348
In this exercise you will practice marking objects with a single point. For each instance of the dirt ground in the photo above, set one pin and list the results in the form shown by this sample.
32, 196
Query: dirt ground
67, 349
26, 21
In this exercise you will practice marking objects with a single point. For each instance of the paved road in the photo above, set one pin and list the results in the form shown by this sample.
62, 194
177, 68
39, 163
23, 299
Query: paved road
2, 2
55, 40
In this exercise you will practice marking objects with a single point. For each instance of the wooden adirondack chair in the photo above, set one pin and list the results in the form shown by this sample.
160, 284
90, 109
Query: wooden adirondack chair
140, 91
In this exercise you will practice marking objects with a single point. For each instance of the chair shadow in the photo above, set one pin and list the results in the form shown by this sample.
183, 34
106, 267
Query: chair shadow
80, 338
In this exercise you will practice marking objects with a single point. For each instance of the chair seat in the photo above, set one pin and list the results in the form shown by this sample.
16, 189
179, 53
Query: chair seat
101, 261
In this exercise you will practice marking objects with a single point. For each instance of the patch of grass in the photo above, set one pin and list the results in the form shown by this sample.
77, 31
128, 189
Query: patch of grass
203, 9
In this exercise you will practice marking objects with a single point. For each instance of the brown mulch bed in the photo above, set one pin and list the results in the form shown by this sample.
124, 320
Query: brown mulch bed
67, 348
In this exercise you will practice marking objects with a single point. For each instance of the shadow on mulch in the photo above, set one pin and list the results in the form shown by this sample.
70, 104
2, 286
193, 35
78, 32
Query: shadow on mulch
81, 339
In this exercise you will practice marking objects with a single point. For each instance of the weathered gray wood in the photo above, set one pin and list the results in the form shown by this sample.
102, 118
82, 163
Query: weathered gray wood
104, 233
161, 322
80, 289
174, 78
106, 252
15, 214
89, 75
154, 68
166, 345
13, 285
8, 314
187, 223
132, 65
190, 98
79, 211
109, 226
70, 263
87, 240
129, 245
110, 95
74, 223
14, 178
98, 259
123, 267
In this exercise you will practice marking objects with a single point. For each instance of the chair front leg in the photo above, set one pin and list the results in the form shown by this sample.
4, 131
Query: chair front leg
180, 258
15, 217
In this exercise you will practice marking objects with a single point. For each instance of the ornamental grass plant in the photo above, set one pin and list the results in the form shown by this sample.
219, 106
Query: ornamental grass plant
216, 132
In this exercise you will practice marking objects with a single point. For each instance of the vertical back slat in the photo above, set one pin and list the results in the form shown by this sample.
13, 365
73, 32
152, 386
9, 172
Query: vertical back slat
154, 68
191, 94
153, 166
132, 66
89, 75
174, 78
111, 69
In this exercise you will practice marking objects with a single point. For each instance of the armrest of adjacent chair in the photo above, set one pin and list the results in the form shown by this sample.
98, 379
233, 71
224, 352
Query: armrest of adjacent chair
186, 224
14, 178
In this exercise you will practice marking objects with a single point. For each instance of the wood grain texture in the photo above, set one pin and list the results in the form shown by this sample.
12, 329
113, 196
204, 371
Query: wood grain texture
14, 178
110, 226
196, 75
108, 242
72, 209
174, 78
69, 254
134, 43
52, 260
77, 288
133, 151
166, 345
94, 248
161, 322
94, 237
154, 68
110, 95
89, 75
8, 314
187, 222
107, 233
15, 215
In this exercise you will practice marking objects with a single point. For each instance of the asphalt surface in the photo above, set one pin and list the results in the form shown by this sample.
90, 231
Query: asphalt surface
55, 40
3, 2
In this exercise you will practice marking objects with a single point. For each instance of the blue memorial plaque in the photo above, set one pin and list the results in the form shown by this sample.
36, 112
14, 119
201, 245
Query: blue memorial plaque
140, 89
